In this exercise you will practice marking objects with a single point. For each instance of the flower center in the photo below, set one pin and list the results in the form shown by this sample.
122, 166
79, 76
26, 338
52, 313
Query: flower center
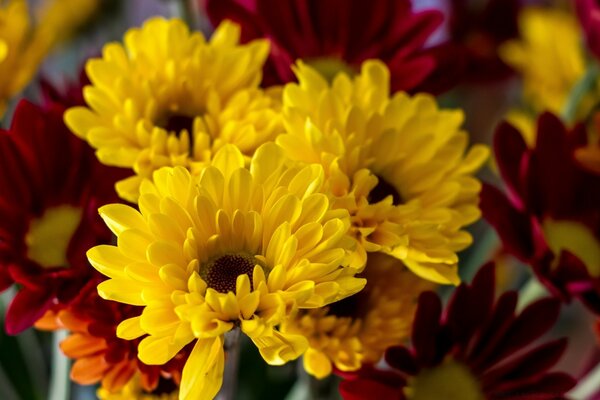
177, 123
450, 380
575, 238
329, 67
49, 236
221, 273
383, 190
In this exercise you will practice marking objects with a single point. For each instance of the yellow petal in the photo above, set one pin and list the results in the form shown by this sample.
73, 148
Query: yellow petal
203, 371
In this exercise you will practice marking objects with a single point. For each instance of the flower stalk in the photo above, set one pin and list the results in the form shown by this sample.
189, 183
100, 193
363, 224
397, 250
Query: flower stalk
232, 360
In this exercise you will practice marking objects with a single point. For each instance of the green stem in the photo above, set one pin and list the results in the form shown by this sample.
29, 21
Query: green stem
7, 391
579, 91
232, 360
59, 380
184, 9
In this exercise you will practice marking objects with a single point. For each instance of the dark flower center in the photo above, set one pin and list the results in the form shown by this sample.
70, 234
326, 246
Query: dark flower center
165, 386
355, 306
221, 274
383, 190
177, 123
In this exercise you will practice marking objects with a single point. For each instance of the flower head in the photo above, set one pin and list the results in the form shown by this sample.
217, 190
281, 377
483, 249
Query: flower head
166, 390
235, 247
398, 164
476, 33
167, 97
478, 348
24, 43
549, 37
325, 36
358, 329
50, 188
100, 356
549, 217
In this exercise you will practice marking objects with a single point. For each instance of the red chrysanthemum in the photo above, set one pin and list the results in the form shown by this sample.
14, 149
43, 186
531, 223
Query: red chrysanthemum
100, 356
477, 32
51, 186
550, 216
339, 35
477, 349
588, 12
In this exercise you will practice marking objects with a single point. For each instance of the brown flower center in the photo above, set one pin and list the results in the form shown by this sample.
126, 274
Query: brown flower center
383, 190
221, 273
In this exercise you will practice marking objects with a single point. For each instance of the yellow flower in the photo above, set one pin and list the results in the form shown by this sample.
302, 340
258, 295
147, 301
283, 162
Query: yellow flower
549, 56
359, 328
24, 43
233, 247
397, 164
167, 97
133, 391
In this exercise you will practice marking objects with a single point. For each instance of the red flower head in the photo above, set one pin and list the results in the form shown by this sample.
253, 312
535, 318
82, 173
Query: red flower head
100, 356
477, 349
588, 12
50, 189
339, 35
550, 216
477, 34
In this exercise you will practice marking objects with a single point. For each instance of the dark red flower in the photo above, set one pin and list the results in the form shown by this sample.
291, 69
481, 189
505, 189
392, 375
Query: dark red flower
100, 356
550, 216
51, 186
588, 12
476, 32
339, 34
477, 348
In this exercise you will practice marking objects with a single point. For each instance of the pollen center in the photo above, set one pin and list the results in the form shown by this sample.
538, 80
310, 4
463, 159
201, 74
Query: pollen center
329, 67
383, 190
450, 380
221, 273
49, 236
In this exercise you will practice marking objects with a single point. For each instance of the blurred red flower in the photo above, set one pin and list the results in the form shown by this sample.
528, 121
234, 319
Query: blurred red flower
477, 348
549, 217
339, 35
51, 186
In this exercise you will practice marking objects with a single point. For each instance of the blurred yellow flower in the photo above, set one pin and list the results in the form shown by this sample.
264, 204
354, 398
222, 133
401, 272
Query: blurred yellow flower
550, 57
167, 97
361, 327
24, 43
399, 164
234, 247
133, 391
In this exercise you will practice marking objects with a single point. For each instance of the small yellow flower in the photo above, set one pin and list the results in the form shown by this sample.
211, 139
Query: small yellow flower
397, 164
24, 43
549, 56
167, 97
233, 247
360, 328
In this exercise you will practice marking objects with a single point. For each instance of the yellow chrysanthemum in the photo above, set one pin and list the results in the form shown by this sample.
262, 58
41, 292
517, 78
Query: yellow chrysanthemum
233, 247
359, 328
24, 43
133, 391
549, 56
170, 98
397, 164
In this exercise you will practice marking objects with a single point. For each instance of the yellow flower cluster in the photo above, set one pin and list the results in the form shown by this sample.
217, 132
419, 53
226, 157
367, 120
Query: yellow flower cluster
24, 43
261, 209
